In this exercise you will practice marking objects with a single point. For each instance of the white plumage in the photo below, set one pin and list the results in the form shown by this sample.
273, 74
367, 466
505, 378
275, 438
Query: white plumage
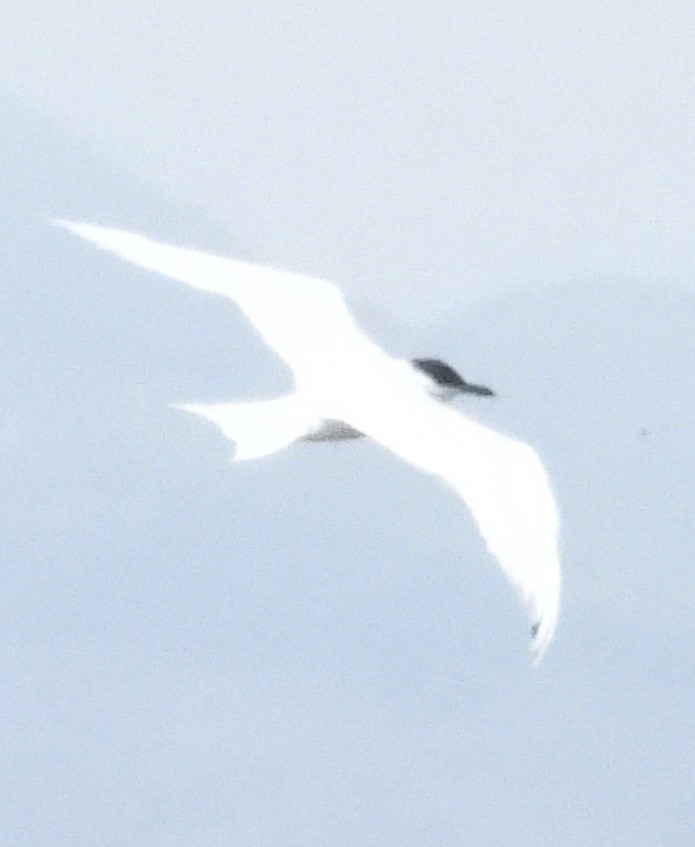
344, 383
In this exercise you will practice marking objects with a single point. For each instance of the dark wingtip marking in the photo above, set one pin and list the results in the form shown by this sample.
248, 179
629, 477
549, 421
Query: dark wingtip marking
535, 628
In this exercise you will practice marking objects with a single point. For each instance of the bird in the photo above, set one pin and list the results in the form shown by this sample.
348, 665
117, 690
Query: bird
345, 386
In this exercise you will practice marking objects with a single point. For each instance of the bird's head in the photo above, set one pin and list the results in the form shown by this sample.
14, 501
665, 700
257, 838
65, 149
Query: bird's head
447, 382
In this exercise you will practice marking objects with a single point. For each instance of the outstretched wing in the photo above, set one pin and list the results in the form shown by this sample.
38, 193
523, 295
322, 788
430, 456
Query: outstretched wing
501, 480
307, 323
305, 320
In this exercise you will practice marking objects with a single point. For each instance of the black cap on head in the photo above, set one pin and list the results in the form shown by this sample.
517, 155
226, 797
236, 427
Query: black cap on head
447, 377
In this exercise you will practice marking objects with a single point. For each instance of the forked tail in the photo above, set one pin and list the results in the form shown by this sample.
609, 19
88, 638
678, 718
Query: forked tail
257, 428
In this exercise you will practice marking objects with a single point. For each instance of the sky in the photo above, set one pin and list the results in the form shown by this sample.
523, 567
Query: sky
482, 145
316, 649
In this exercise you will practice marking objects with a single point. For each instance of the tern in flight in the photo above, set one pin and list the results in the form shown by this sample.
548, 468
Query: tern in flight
346, 386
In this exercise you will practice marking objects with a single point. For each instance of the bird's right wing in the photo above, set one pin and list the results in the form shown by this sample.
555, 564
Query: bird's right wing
305, 320
502, 481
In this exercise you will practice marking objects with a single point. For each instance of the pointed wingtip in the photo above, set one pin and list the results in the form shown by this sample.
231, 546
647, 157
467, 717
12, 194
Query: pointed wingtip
61, 223
84, 230
542, 632
89, 232
190, 408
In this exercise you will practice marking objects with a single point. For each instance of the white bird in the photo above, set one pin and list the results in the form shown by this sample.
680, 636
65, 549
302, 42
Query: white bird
346, 386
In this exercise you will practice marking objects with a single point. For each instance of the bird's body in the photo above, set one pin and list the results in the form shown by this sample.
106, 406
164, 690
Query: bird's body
331, 430
346, 386
432, 376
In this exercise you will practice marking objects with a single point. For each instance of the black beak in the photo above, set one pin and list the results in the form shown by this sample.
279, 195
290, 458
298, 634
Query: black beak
480, 390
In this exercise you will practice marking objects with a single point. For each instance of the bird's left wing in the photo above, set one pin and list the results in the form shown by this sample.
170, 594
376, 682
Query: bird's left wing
502, 481
304, 319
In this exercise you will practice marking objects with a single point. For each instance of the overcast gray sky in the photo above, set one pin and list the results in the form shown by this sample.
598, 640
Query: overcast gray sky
484, 145
316, 650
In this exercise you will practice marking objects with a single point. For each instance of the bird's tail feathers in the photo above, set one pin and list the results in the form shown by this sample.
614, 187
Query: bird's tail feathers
258, 428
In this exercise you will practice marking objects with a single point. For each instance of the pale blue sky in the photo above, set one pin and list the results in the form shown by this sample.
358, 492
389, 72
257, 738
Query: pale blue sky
486, 145
316, 650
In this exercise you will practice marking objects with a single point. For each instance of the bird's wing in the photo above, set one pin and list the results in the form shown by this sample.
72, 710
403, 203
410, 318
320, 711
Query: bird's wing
307, 323
305, 320
502, 481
